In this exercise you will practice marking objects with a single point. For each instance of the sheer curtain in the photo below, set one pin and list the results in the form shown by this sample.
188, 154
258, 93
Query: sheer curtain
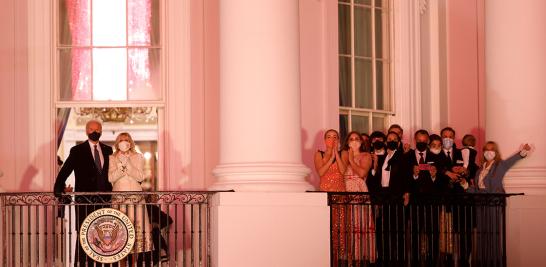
142, 74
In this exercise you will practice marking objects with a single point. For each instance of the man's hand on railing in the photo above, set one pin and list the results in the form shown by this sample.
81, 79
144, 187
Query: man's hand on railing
68, 189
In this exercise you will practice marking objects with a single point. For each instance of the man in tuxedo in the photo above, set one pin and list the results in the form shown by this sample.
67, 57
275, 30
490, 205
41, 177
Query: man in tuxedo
89, 161
451, 162
391, 195
426, 186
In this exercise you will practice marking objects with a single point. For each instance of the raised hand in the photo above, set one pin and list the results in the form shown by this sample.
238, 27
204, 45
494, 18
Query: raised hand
68, 189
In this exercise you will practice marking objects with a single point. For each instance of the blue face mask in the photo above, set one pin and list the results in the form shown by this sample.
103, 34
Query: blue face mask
447, 143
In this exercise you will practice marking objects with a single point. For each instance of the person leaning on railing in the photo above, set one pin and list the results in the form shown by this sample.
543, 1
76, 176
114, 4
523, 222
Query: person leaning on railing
89, 162
489, 222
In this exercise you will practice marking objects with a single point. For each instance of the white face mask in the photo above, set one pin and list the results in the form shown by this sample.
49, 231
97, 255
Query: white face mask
489, 155
447, 143
355, 145
436, 151
124, 146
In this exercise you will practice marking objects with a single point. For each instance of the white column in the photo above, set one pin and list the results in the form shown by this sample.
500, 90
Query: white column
260, 125
274, 222
515, 68
515, 58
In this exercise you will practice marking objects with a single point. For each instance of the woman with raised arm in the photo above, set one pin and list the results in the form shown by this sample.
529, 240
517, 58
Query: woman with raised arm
489, 220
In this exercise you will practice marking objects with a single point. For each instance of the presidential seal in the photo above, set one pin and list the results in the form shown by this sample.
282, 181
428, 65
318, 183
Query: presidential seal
107, 235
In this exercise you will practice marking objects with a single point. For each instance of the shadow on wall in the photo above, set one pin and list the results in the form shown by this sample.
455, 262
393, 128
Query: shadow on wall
172, 160
28, 179
308, 155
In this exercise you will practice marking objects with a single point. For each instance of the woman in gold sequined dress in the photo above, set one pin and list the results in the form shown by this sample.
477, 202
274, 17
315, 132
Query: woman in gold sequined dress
330, 168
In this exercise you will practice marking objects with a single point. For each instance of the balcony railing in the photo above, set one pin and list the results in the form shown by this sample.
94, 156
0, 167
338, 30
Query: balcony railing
433, 230
168, 229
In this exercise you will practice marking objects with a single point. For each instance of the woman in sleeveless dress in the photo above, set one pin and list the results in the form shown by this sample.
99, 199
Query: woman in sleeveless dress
361, 232
330, 168
126, 173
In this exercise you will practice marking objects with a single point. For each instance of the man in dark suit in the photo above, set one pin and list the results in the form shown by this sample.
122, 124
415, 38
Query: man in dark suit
451, 167
426, 186
391, 195
89, 161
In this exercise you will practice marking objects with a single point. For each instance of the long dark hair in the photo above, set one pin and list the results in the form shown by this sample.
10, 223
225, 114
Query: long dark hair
345, 145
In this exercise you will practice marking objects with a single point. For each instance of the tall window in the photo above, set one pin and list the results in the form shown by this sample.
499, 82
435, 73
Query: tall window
108, 68
364, 65
108, 50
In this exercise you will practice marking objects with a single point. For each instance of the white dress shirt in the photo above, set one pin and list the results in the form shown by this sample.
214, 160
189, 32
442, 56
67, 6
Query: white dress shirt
386, 174
466, 156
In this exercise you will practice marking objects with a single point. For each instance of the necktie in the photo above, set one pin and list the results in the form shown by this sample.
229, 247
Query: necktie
421, 158
449, 155
97, 159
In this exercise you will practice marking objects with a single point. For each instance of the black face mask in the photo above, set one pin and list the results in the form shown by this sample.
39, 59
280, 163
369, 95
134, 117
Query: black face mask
392, 145
94, 136
421, 146
378, 145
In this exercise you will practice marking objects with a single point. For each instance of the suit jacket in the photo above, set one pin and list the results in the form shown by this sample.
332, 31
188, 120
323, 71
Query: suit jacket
424, 182
445, 164
87, 177
398, 182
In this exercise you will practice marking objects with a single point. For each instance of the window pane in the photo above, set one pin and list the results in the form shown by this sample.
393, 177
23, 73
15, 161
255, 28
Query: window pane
143, 22
380, 39
360, 124
75, 79
345, 98
382, 83
363, 32
344, 29
109, 74
74, 22
378, 123
364, 2
109, 22
143, 74
363, 83
343, 126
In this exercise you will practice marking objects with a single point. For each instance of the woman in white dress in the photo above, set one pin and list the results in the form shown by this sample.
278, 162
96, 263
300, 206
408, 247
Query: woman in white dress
125, 172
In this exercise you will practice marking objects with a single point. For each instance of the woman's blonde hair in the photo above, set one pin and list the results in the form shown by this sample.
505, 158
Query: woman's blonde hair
495, 148
118, 140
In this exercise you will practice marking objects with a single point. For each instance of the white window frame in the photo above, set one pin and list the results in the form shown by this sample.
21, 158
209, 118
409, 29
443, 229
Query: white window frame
109, 103
373, 112
174, 109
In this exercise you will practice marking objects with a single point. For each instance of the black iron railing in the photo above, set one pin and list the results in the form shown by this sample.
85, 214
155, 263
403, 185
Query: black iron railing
170, 228
432, 230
